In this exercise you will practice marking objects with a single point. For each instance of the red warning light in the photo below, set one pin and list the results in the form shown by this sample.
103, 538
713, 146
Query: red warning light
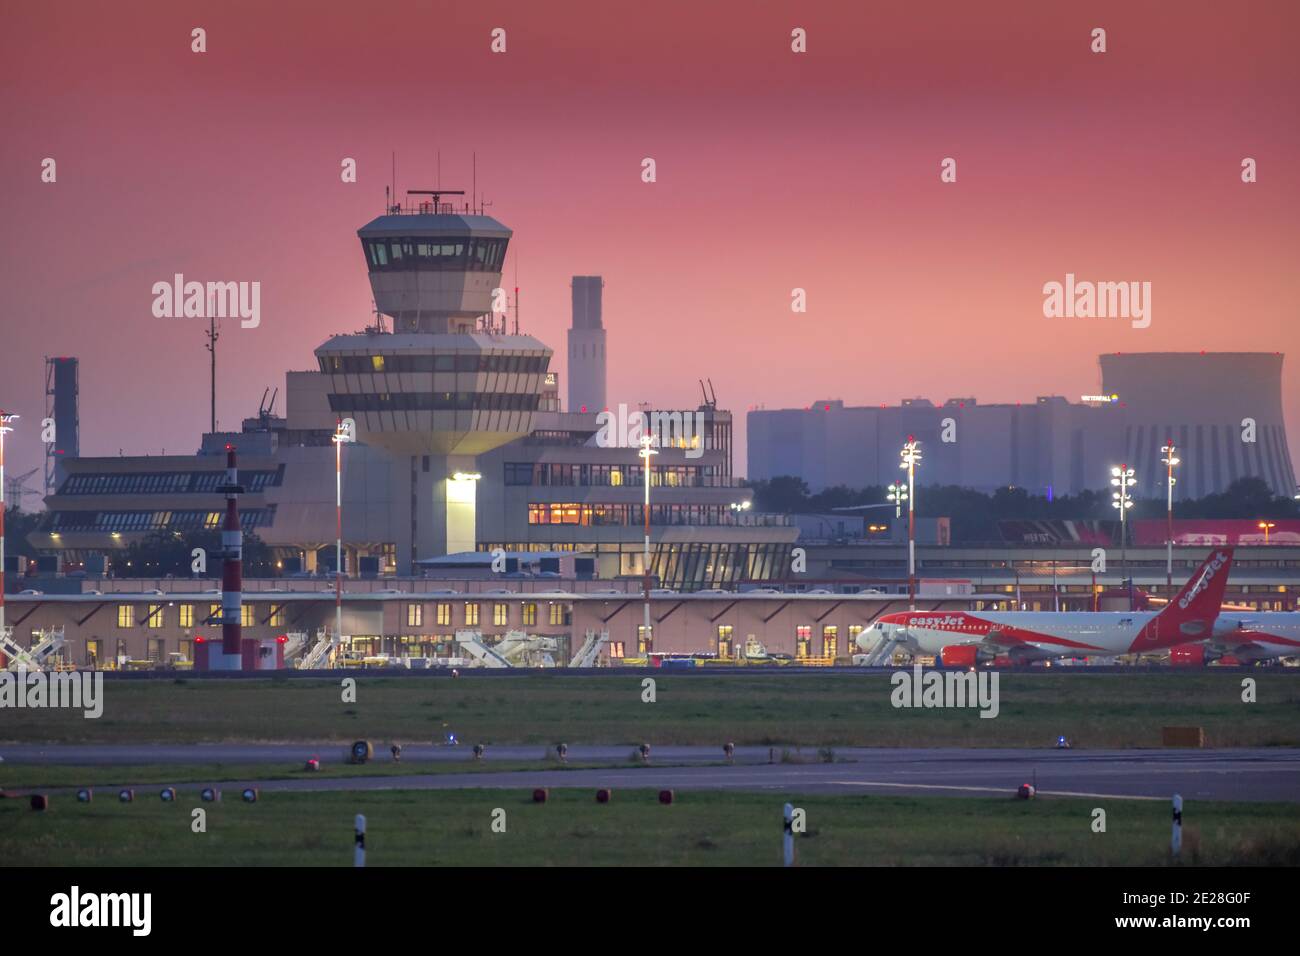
584, 409
826, 408
282, 639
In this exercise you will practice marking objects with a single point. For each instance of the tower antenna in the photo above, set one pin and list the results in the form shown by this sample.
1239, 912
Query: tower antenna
474, 187
394, 176
212, 337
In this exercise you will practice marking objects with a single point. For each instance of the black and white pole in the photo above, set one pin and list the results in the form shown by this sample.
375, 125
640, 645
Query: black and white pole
789, 835
359, 854
1176, 841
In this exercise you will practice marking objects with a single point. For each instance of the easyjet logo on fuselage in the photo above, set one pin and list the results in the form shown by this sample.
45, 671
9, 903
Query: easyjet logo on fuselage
948, 621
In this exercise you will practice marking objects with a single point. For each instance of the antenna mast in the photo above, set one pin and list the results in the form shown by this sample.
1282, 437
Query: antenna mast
212, 337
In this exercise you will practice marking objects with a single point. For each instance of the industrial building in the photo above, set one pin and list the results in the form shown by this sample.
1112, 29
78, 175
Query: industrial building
1222, 410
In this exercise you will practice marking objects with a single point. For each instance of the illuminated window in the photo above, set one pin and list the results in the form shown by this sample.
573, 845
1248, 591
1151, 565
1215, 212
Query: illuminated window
830, 640
802, 640
559, 614
530, 613
616, 649
471, 614
212, 520
855, 630
377, 361
415, 615
155, 617
214, 614
725, 644
246, 615
125, 616
187, 615
444, 615
500, 614
277, 617
643, 646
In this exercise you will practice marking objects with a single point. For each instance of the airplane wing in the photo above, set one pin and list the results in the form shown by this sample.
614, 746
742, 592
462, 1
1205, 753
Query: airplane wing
1001, 643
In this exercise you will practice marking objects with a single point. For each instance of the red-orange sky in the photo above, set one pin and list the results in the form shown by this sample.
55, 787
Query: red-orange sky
775, 171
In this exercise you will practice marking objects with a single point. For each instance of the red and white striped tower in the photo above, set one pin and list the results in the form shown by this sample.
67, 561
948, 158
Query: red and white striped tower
5, 419
232, 573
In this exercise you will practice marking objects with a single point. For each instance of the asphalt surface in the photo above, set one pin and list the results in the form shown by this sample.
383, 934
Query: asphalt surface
1262, 774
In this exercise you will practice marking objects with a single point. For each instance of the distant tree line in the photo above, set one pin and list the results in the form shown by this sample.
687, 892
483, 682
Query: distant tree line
162, 553
975, 514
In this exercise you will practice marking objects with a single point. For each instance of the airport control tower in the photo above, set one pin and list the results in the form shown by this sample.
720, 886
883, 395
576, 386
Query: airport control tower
450, 381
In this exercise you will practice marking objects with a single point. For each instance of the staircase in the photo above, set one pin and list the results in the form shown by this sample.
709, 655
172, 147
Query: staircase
47, 644
471, 642
589, 654
879, 655
319, 656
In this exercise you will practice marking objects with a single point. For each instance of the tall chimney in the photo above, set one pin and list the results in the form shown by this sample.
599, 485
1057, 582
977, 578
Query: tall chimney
587, 347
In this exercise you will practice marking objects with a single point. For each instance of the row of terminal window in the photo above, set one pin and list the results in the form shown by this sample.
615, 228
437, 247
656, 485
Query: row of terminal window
477, 362
557, 614
152, 520
154, 616
453, 254
587, 514
614, 476
163, 483
435, 401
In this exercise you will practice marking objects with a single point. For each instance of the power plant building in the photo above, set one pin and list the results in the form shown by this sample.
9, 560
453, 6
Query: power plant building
1223, 412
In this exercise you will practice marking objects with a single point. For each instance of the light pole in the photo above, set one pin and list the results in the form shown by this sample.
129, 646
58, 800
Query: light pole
1122, 478
897, 495
1266, 525
911, 455
340, 436
1169, 461
645, 453
5, 419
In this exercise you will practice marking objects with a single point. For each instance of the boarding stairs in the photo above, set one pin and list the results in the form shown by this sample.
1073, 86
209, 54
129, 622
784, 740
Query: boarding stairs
880, 655
318, 657
44, 648
589, 654
295, 643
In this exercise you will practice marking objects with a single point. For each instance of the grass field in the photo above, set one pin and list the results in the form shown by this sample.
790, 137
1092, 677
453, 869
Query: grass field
454, 828
1093, 710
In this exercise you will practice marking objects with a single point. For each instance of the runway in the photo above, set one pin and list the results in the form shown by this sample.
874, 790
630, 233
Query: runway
1261, 774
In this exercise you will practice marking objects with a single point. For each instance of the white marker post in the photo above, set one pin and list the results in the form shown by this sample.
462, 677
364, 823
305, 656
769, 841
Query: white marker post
789, 835
359, 855
1176, 841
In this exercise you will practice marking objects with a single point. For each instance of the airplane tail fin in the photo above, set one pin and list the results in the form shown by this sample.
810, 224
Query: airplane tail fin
1190, 616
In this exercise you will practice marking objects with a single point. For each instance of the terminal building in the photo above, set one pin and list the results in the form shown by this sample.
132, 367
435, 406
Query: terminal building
462, 444
1223, 412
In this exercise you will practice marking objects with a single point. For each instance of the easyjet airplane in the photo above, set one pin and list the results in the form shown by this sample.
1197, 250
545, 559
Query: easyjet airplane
965, 638
1244, 638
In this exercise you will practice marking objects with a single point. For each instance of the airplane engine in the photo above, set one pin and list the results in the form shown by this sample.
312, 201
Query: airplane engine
1190, 655
960, 655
